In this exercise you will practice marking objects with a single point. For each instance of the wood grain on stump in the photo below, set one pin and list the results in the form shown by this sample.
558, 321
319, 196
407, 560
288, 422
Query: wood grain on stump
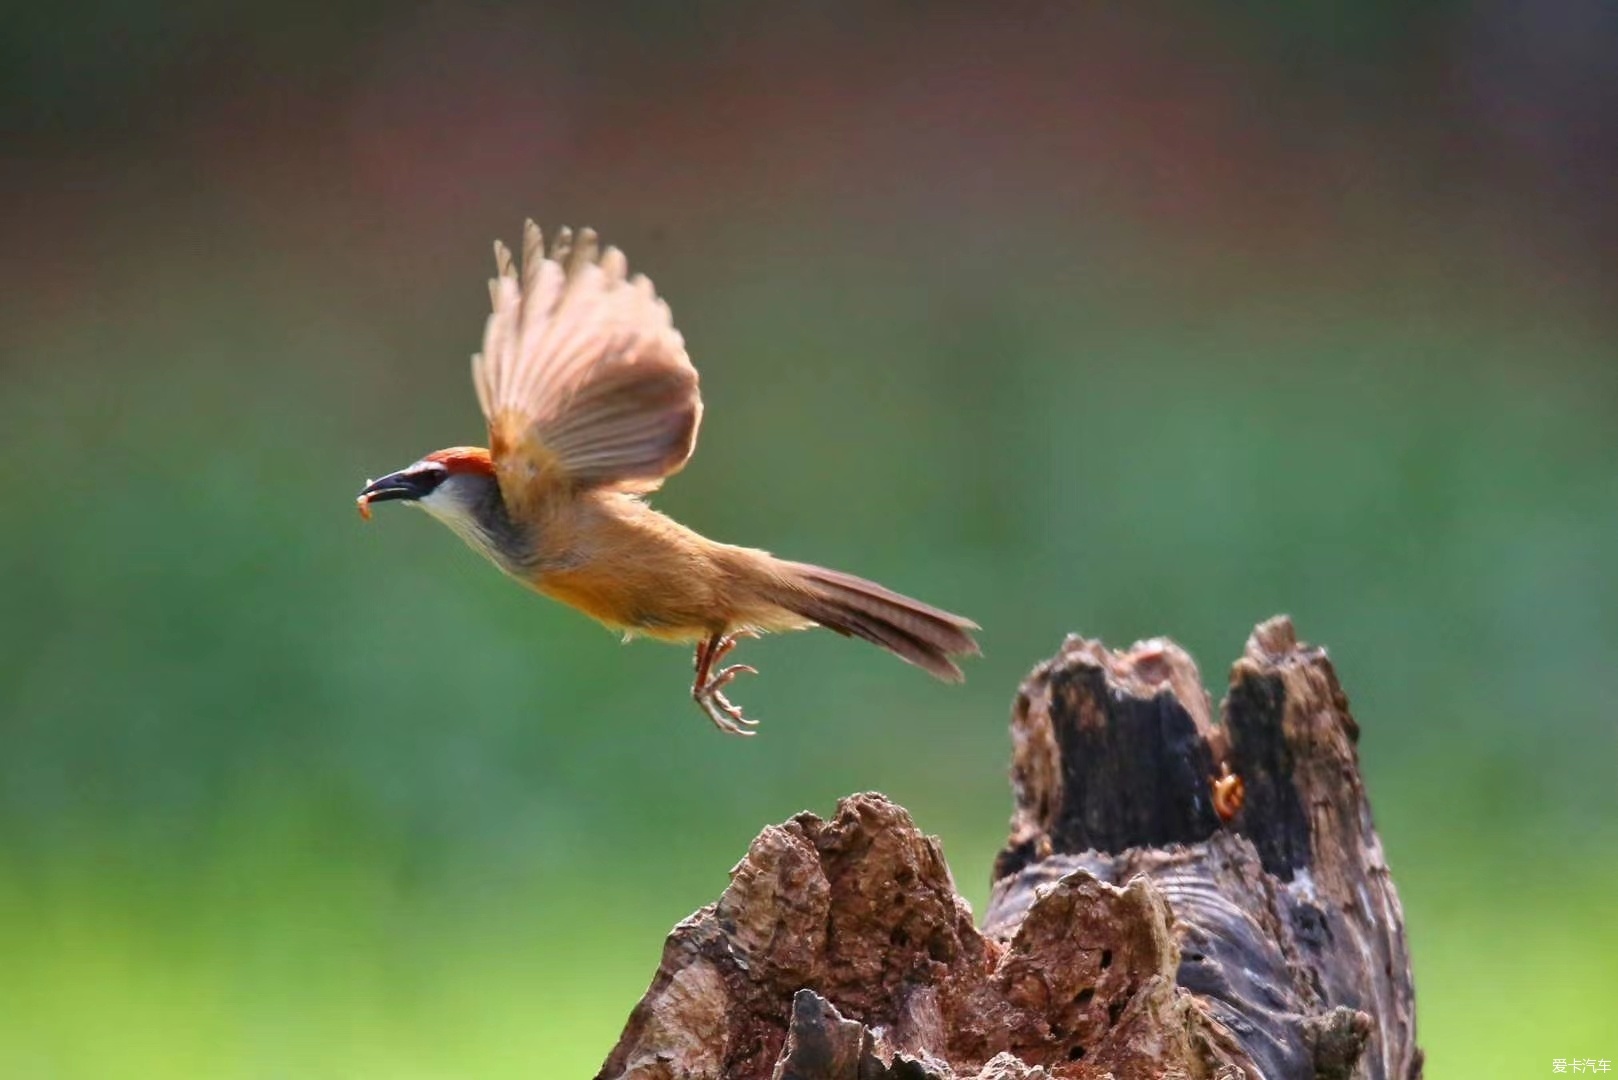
1130, 931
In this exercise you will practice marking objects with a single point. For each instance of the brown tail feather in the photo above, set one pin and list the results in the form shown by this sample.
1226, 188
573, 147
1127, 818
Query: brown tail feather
913, 631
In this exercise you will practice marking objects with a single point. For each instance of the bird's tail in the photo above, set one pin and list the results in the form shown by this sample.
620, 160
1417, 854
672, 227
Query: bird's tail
909, 629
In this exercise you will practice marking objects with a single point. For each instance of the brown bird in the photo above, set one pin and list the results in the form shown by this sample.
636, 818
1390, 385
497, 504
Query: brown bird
591, 403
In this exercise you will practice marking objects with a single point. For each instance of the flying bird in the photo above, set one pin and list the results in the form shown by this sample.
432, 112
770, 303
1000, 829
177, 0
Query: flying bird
592, 402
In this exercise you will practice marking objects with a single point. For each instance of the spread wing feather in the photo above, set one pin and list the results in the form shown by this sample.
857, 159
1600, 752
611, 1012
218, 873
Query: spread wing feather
583, 378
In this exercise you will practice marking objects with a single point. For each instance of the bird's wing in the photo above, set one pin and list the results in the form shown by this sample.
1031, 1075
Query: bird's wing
583, 378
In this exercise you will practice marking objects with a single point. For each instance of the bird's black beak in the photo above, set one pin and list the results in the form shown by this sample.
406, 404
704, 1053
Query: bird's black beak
399, 485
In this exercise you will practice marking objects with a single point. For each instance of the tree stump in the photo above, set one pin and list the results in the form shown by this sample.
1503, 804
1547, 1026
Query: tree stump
1133, 931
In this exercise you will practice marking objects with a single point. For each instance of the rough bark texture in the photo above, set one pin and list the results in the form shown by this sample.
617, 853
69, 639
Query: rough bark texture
1131, 933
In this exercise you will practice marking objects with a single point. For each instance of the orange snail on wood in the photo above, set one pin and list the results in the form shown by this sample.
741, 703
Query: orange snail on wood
1228, 793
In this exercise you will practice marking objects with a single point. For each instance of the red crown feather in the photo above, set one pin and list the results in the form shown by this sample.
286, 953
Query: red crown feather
464, 459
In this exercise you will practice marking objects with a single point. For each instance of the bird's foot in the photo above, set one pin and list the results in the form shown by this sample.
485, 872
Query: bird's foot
708, 690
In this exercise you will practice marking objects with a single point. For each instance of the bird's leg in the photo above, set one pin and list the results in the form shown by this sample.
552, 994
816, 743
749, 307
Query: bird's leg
707, 689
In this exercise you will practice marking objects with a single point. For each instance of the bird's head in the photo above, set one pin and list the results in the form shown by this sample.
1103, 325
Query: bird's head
457, 486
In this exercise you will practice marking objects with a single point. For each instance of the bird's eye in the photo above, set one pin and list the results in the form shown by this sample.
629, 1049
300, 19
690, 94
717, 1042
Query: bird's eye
430, 476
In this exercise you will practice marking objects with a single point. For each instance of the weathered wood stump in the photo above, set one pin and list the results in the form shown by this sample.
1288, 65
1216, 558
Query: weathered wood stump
1131, 932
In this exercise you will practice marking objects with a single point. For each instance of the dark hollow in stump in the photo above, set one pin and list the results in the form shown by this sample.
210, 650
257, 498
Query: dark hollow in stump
1131, 931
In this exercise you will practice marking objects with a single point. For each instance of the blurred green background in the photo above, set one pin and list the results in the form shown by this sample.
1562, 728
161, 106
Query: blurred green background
1157, 320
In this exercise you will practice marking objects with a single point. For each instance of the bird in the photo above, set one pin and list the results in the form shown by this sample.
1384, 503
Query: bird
591, 402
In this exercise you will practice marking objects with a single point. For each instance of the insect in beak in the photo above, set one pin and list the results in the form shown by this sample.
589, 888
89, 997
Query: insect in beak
400, 485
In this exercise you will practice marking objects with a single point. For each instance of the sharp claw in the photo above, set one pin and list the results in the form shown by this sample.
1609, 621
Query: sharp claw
718, 708
723, 678
725, 716
735, 713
